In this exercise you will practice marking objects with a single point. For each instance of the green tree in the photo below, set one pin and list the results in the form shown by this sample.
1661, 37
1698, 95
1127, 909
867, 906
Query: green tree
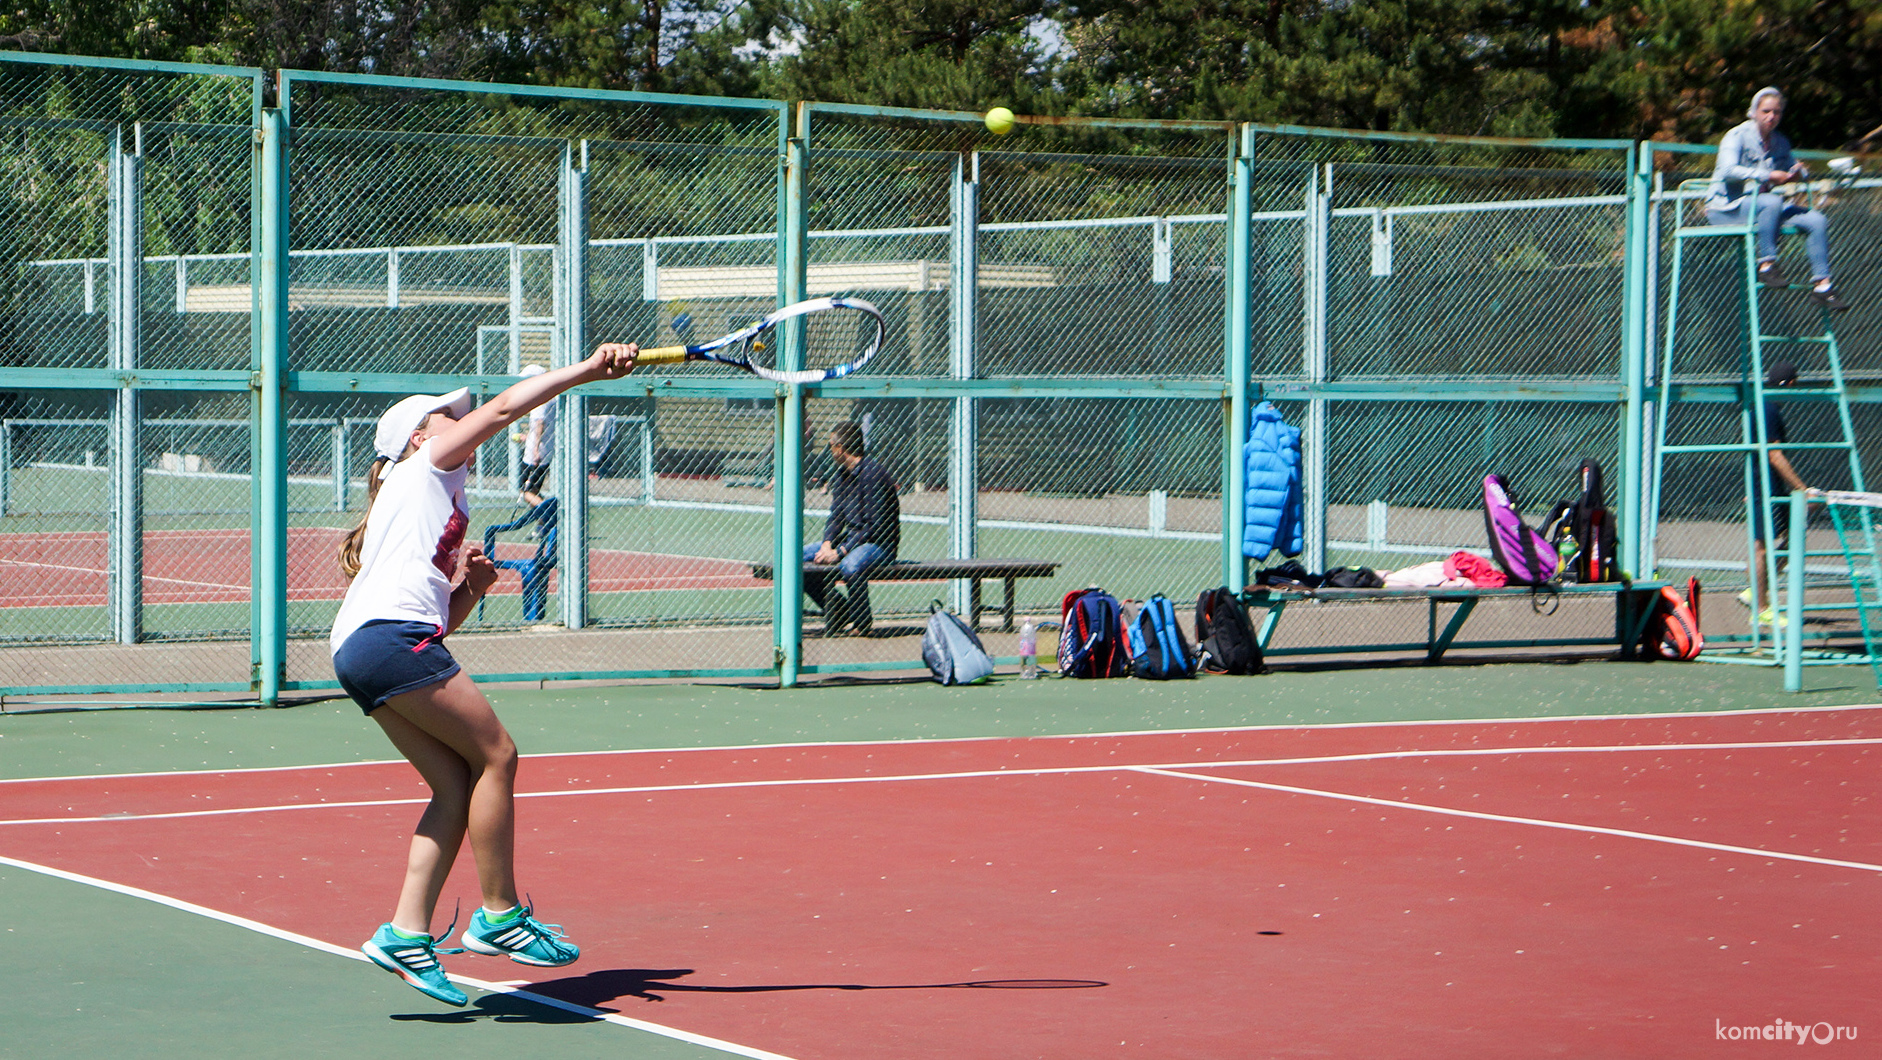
1453, 66
942, 54
1686, 69
686, 46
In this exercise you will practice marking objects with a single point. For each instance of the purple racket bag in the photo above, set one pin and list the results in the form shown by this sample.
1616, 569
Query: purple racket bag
1525, 555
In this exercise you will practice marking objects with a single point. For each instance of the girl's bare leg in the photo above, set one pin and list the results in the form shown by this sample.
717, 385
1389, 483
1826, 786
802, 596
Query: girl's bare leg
452, 736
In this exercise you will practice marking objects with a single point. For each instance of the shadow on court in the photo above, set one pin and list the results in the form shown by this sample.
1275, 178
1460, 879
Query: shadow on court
596, 989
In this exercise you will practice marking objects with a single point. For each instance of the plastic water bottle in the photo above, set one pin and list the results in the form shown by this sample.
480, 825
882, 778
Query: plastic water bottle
1028, 650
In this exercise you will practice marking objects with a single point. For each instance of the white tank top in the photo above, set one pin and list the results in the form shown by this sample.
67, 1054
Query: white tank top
410, 554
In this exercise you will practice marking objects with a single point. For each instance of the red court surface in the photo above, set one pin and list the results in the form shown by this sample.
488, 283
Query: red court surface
212, 567
1605, 887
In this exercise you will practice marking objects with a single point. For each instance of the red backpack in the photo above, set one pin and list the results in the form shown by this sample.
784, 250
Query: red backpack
1673, 631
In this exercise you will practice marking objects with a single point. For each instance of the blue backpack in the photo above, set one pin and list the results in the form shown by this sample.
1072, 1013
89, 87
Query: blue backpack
1092, 635
1158, 650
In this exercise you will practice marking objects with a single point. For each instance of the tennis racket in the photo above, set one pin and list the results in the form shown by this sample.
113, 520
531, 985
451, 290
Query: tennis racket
840, 336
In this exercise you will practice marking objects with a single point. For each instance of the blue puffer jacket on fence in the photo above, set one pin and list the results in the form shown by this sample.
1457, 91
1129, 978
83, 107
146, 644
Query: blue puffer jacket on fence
1271, 501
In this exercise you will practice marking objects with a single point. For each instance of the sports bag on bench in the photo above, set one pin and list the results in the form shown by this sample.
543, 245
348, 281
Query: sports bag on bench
1525, 555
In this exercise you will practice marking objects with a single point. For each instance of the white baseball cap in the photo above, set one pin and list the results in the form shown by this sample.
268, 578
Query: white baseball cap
533, 369
397, 424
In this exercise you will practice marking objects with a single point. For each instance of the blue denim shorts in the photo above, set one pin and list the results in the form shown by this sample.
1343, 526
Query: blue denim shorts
383, 659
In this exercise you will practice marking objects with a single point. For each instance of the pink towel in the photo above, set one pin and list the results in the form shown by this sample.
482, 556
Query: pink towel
1475, 569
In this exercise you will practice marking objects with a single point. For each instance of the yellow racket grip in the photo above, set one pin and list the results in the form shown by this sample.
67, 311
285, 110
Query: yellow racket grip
661, 355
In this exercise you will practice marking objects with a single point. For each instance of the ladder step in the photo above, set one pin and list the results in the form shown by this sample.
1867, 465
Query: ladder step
1797, 338
1711, 231
1752, 447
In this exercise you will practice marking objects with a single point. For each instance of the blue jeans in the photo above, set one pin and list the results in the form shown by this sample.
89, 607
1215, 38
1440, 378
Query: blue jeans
1773, 214
854, 570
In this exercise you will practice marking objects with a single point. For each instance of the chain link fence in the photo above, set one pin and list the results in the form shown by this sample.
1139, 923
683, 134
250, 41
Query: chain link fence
1056, 384
124, 250
1431, 311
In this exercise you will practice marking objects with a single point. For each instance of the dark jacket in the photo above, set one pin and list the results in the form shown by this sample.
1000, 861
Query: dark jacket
864, 509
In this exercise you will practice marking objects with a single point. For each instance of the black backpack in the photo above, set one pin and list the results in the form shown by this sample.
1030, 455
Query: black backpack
1593, 526
1225, 636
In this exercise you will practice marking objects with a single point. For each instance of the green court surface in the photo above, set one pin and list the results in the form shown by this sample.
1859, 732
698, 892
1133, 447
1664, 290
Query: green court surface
94, 973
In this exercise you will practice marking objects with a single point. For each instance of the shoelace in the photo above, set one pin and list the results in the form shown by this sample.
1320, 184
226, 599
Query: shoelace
550, 933
456, 908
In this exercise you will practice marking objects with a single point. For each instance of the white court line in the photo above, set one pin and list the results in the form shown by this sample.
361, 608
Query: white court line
1538, 822
341, 951
34, 565
853, 744
1109, 767
38, 565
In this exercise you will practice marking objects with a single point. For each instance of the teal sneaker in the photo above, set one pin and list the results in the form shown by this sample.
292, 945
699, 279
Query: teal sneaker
414, 959
522, 939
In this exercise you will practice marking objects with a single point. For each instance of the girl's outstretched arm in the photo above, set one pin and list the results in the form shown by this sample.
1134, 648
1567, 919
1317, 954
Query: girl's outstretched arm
455, 442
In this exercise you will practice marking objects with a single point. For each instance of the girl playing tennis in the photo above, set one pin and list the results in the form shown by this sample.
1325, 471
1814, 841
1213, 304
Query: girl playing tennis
413, 581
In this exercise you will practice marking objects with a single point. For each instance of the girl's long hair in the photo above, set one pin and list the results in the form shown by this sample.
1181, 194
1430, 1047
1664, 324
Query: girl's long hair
349, 548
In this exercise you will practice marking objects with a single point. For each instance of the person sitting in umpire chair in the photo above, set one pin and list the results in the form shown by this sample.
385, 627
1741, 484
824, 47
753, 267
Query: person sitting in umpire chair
861, 536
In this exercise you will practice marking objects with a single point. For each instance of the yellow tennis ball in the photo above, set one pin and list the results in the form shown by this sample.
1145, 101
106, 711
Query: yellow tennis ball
999, 121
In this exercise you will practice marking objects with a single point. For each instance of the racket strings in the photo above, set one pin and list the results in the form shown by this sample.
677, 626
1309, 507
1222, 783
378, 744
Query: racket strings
836, 338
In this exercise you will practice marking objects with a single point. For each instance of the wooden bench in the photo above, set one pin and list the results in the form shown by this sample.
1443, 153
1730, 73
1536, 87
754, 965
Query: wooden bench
934, 570
1633, 606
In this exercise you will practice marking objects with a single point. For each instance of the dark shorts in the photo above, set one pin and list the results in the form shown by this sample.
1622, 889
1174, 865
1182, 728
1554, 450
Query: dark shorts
383, 659
1780, 517
533, 477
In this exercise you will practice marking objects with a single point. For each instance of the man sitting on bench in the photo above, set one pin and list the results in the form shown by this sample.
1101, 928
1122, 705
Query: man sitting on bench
864, 530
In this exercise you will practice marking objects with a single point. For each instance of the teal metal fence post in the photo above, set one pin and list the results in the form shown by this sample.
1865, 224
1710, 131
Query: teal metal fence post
1793, 632
1313, 441
125, 242
963, 363
1652, 408
268, 522
1237, 356
1634, 342
571, 345
788, 485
